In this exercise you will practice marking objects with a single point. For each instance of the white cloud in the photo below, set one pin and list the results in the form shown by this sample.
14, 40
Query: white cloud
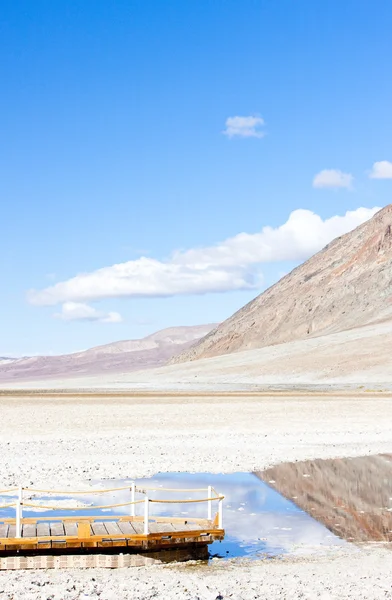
78, 311
230, 265
332, 178
381, 170
244, 127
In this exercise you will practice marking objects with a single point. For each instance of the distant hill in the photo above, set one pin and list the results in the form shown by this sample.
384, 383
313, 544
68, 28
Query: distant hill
346, 285
124, 356
6, 360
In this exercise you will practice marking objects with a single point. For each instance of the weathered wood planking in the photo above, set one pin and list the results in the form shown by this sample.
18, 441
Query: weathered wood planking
87, 532
43, 530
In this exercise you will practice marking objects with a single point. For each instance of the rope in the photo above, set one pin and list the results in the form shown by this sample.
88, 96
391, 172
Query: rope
186, 501
8, 491
69, 492
141, 489
6, 505
80, 507
120, 489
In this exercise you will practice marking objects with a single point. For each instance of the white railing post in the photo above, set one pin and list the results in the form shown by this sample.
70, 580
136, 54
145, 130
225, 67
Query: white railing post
220, 514
146, 515
133, 506
209, 503
19, 513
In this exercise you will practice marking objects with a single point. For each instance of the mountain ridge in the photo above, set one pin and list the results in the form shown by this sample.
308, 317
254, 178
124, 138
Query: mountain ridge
126, 355
345, 285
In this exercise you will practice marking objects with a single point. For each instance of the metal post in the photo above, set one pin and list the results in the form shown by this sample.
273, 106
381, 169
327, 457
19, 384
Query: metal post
133, 506
19, 513
220, 514
146, 515
210, 503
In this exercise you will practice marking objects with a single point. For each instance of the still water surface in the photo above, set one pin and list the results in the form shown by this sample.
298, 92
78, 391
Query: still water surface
257, 519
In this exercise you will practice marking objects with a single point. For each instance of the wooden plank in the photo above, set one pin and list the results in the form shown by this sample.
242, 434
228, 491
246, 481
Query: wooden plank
57, 529
43, 530
71, 529
11, 534
12, 531
99, 529
164, 528
127, 528
138, 527
3, 534
84, 530
114, 529
29, 530
85, 534
190, 527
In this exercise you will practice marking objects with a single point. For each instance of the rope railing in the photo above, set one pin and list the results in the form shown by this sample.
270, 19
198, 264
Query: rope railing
186, 501
20, 504
89, 492
161, 489
59, 507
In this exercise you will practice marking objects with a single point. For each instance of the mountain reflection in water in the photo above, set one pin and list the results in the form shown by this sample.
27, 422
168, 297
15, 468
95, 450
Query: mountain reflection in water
352, 497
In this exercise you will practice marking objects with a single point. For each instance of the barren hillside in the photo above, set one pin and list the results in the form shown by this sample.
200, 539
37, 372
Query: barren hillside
348, 284
359, 359
124, 356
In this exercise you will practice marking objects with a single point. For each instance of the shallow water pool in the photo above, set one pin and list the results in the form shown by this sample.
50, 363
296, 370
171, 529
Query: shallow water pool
258, 521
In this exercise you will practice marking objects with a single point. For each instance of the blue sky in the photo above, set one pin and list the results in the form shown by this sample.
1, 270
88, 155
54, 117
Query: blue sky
113, 148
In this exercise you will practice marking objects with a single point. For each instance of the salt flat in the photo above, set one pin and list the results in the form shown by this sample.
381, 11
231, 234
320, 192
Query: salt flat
69, 440
65, 441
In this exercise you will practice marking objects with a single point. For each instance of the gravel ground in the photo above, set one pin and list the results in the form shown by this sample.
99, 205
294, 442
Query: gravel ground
363, 575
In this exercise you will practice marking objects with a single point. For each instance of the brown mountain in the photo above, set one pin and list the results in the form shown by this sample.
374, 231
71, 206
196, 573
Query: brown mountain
124, 356
348, 284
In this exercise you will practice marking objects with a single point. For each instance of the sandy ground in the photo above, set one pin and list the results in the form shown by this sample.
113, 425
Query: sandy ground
64, 441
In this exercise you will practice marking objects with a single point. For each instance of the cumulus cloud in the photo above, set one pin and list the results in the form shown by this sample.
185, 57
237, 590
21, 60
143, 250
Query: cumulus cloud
244, 127
78, 311
332, 178
230, 265
381, 170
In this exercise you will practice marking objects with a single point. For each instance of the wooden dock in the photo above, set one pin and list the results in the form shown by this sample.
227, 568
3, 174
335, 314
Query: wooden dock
134, 534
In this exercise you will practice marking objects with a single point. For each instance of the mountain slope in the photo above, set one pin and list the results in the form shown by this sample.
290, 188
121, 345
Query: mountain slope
348, 284
124, 356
